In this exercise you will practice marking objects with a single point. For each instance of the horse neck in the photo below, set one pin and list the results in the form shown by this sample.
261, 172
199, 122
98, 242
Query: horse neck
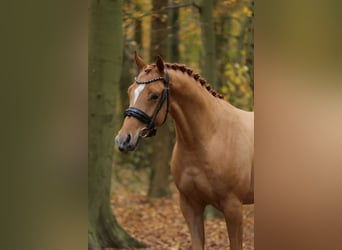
193, 109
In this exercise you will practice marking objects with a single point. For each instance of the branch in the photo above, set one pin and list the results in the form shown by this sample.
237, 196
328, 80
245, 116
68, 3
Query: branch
196, 6
163, 9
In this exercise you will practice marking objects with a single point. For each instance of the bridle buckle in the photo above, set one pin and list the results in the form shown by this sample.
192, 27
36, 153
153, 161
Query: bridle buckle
147, 132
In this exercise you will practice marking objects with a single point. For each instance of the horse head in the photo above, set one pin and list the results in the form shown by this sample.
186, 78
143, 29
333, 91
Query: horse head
148, 104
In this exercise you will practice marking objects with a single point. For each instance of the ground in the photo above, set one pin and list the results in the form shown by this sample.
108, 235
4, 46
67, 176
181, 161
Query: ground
159, 222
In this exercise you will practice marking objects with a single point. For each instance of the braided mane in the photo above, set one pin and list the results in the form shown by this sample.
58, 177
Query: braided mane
197, 77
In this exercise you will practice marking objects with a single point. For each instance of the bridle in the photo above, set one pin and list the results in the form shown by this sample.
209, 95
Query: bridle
150, 129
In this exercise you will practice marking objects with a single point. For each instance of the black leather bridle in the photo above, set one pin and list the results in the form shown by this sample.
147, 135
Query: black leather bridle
150, 129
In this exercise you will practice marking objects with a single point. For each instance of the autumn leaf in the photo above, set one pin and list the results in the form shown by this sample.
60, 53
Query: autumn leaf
159, 223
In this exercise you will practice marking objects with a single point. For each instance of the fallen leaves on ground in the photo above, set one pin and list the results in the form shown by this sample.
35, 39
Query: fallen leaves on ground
159, 223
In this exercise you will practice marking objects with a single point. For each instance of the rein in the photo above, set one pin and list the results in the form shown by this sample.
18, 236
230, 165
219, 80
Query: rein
142, 116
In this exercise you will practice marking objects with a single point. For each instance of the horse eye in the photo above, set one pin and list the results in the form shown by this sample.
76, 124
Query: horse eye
154, 96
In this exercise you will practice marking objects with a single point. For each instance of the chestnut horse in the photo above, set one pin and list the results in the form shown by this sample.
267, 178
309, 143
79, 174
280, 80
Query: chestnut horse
212, 160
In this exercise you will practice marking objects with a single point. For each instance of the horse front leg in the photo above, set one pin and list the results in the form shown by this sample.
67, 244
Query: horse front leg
193, 214
233, 216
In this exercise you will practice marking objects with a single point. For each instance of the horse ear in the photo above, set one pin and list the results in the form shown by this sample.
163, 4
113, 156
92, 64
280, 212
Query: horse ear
139, 61
160, 63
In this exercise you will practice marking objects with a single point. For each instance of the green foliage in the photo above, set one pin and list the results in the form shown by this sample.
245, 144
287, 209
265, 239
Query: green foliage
234, 21
236, 89
190, 37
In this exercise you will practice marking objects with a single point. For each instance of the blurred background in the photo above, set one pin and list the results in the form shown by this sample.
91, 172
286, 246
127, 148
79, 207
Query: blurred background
215, 38
46, 98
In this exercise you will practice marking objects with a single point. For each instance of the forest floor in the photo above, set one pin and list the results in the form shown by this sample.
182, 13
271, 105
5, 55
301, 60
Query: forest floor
160, 225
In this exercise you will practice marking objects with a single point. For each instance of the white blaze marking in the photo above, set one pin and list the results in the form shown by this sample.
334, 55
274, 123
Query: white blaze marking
137, 92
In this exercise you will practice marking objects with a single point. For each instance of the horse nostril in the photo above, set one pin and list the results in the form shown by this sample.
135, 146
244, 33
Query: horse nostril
123, 143
128, 139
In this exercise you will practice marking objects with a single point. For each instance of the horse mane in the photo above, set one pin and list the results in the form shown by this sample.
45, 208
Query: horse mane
197, 77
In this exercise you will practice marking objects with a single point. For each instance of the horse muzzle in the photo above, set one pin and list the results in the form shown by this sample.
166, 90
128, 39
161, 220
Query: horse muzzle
126, 142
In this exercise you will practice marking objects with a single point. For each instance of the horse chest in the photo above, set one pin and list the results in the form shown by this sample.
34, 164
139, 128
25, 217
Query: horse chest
193, 181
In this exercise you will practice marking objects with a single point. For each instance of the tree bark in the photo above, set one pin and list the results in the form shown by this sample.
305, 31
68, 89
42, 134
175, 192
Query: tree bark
160, 170
241, 39
174, 39
138, 30
208, 42
209, 65
159, 178
222, 32
250, 46
159, 32
104, 62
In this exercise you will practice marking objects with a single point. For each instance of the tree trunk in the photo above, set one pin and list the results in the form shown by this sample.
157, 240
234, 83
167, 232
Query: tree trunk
159, 32
208, 42
241, 40
125, 81
222, 47
159, 178
209, 63
138, 30
105, 57
250, 46
160, 170
174, 39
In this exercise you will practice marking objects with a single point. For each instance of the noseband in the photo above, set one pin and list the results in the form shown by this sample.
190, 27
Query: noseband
142, 116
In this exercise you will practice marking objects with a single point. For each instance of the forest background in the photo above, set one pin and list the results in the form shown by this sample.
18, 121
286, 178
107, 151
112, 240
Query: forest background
215, 38
44, 75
